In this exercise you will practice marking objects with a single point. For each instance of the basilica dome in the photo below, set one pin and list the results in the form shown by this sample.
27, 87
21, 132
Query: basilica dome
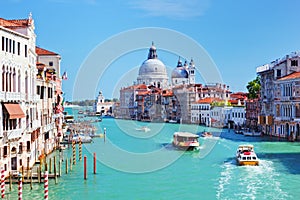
179, 71
153, 71
152, 66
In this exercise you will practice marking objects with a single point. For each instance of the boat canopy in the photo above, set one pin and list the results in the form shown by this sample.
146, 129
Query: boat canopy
186, 134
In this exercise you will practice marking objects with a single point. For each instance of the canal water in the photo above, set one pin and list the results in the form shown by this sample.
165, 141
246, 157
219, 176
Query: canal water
132, 164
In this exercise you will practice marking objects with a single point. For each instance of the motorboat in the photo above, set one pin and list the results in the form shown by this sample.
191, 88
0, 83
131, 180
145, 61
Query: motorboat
252, 133
245, 155
186, 141
206, 134
82, 137
69, 118
143, 128
172, 121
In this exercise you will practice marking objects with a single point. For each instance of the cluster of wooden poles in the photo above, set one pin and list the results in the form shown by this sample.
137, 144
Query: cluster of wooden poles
37, 177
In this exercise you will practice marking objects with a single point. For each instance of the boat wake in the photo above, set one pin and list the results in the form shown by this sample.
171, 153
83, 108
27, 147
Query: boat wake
249, 182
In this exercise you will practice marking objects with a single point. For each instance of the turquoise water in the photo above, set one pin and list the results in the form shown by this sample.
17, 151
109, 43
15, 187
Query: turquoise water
141, 165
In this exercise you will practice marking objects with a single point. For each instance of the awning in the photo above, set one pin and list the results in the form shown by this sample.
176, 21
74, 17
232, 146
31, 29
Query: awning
15, 111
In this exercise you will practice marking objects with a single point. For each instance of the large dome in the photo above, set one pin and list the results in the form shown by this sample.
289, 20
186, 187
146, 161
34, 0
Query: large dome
152, 67
153, 71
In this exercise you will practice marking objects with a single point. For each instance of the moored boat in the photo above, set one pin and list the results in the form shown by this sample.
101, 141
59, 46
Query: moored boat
206, 134
143, 128
186, 141
245, 155
252, 133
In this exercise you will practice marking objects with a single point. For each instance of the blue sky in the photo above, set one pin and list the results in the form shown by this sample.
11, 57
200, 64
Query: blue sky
238, 35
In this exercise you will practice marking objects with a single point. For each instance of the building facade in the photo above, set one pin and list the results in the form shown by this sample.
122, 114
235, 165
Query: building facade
269, 75
22, 134
287, 107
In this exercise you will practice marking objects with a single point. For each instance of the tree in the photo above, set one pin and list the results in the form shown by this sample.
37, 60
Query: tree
253, 88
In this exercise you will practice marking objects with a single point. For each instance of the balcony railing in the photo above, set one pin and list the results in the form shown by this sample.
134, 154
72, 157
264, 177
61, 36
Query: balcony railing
286, 98
48, 127
12, 134
18, 96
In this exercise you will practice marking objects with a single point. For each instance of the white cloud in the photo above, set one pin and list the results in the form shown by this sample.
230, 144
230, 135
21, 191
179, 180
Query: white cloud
171, 8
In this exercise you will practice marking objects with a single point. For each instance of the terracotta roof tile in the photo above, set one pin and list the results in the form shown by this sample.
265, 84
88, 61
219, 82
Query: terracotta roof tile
142, 93
209, 100
11, 24
290, 76
167, 93
41, 51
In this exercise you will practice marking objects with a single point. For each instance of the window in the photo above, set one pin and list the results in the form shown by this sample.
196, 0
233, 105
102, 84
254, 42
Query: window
278, 73
6, 42
5, 151
42, 92
50, 63
28, 145
46, 135
10, 46
25, 50
294, 62
3, 43
18, 48
13, 47
38, 90
20, 148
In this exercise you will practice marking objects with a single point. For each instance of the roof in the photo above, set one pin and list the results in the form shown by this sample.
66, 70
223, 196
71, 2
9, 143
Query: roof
14, 22
291, 76
209, 100
142, 93
167, 93
186, 134
41, 51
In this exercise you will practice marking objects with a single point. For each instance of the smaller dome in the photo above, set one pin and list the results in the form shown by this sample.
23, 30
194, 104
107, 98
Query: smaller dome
179, 71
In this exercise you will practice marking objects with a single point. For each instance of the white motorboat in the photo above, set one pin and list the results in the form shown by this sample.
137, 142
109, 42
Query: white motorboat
245, 155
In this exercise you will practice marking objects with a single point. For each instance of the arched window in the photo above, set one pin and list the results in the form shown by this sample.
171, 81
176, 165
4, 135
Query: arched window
6, 81
26, 83
3, 78
14, 81
10, 80
19, 81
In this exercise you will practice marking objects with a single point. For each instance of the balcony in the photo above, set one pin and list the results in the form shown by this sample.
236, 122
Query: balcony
48, 127
12, 134
286, 98
284, 118
13, 96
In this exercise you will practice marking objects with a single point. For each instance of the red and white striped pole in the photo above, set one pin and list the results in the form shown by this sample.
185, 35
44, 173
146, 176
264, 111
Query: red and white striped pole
46, 185
20, 187
2, 183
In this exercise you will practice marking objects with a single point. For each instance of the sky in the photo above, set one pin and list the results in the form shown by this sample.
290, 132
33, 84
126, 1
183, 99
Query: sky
237, 36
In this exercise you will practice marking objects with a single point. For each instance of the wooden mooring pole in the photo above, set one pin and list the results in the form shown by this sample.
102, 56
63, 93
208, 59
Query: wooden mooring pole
84, 169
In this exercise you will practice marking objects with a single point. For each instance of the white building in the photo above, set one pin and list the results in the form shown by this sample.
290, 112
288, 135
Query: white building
201, 111
238, 115
102, 107
27, 99
17, 92
50, 96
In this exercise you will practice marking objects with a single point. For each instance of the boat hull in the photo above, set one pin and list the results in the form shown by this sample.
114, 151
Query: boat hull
250, 163
193, 147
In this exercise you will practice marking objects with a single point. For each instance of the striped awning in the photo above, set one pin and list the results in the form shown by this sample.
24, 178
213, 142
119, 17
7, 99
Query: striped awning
14, 110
